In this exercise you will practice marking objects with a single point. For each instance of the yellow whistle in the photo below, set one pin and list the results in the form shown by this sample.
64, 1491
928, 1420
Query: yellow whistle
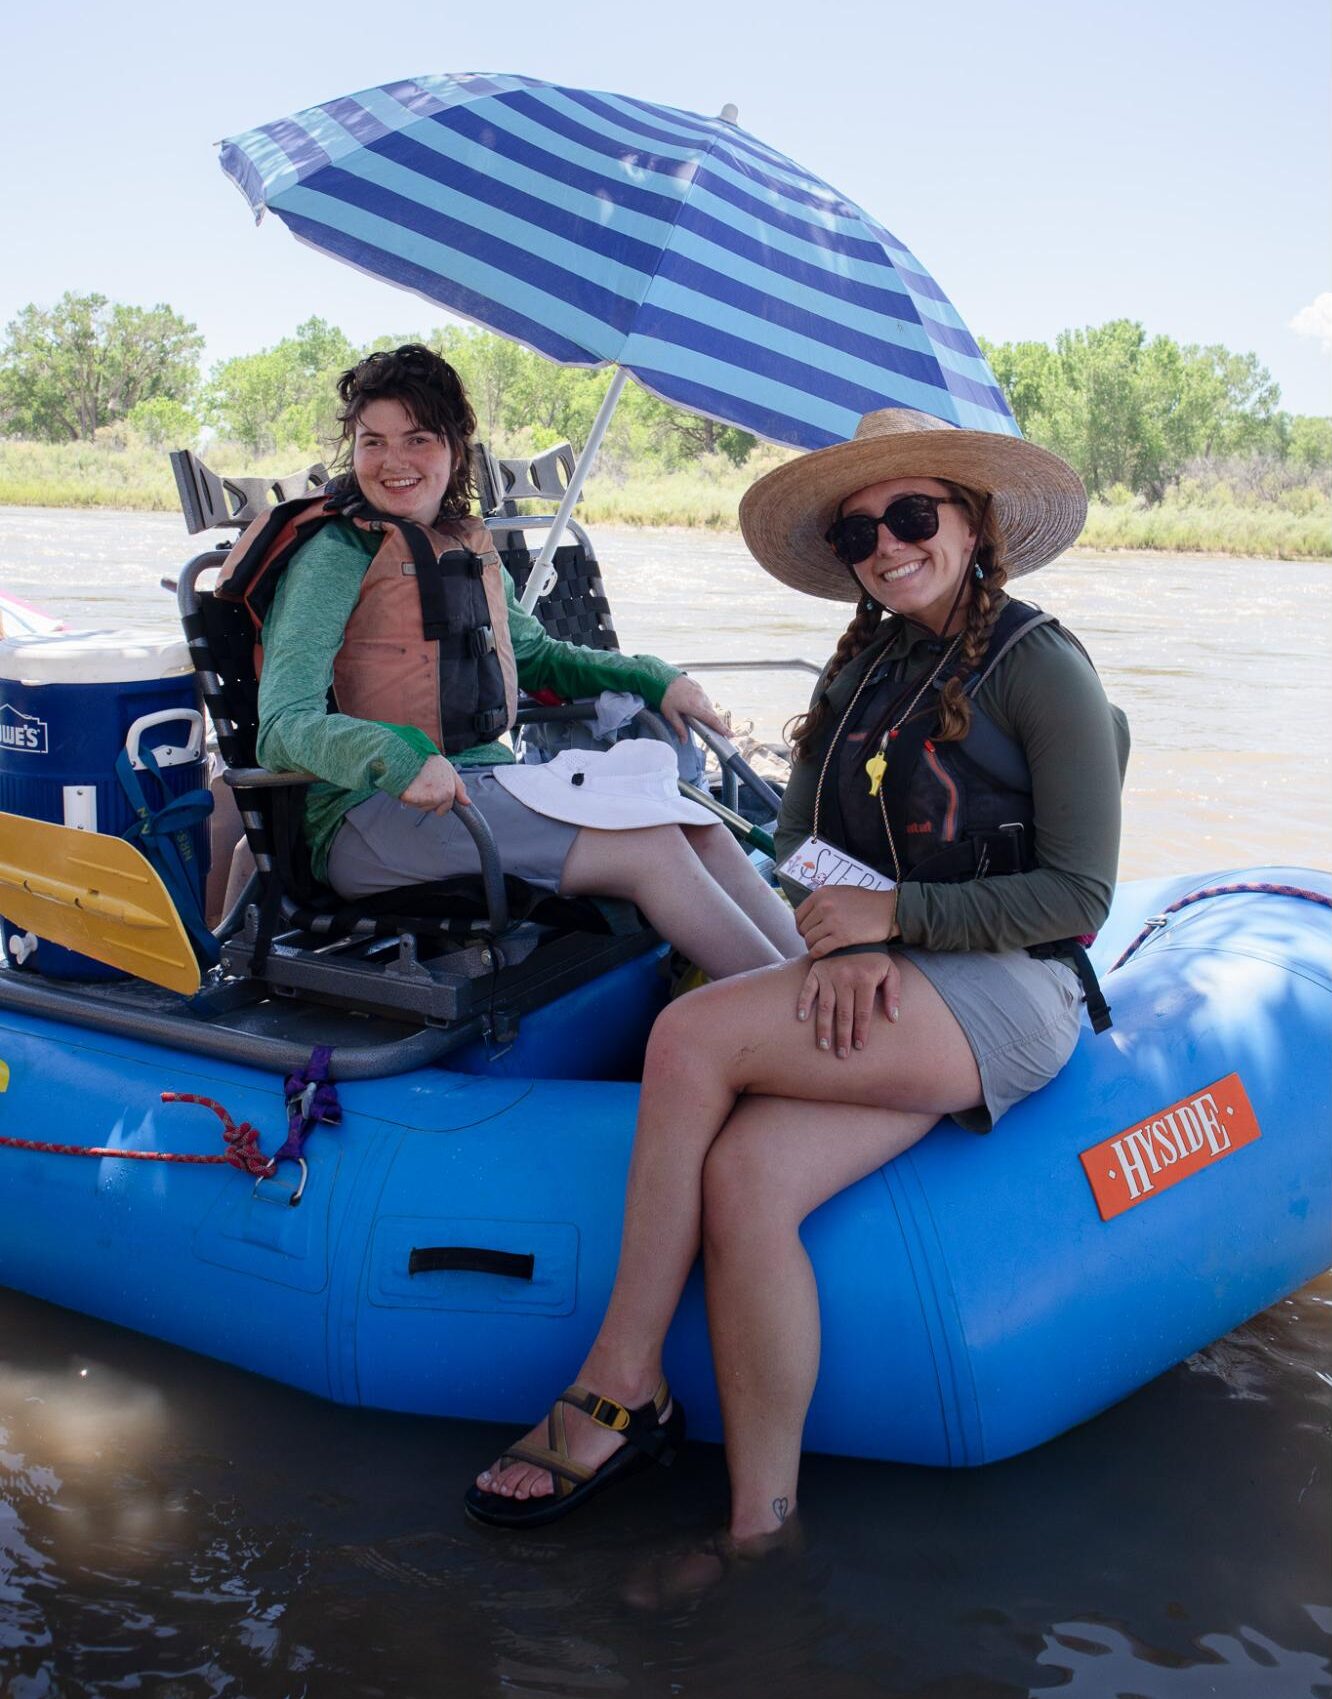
876, 767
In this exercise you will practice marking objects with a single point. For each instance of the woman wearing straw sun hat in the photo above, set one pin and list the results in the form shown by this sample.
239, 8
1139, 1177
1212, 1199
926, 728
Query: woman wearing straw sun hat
950, 834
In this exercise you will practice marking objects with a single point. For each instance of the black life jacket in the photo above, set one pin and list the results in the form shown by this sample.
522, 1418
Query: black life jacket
958, 810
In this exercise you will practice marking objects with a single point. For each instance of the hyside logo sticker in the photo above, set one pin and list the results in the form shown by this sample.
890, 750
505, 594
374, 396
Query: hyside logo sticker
20, 731
1169, 1146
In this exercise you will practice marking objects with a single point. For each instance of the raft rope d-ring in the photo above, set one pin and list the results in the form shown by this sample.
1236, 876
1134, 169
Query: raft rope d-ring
1259, 887
312, 1100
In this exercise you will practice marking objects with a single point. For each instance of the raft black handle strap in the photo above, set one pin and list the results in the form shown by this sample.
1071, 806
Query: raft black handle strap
471, 1259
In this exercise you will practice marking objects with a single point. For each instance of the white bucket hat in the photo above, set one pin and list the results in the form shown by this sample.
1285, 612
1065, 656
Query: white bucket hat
631, 784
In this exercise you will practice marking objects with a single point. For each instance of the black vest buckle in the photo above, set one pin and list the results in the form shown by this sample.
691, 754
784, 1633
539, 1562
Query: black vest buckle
481, 641
1013, 834
491, 722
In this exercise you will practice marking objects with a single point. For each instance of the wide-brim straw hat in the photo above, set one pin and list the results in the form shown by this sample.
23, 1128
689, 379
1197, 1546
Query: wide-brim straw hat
1039, 504
631, 784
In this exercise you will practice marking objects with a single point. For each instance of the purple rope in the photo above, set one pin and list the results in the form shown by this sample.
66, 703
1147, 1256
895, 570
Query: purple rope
1158, 921
312, 1101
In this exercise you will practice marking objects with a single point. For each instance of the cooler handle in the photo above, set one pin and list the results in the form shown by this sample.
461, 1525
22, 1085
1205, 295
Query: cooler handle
168, 755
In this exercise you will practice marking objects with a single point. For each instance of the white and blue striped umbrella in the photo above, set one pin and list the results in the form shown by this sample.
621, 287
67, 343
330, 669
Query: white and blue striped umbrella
597, 229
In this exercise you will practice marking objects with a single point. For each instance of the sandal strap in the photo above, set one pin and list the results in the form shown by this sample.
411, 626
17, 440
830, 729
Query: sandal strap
605, 1412
641, 1427
561, 1466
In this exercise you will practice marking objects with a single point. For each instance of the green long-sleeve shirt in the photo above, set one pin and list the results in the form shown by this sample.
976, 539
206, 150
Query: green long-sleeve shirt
1047, 698
354, 758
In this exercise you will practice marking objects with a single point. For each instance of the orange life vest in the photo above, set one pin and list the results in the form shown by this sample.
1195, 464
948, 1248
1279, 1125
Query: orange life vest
428, 641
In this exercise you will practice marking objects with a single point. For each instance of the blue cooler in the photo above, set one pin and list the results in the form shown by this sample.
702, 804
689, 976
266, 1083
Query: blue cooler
70, 702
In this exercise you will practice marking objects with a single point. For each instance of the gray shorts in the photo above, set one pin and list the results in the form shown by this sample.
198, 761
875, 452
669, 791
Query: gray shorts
1020, 1016
383, 843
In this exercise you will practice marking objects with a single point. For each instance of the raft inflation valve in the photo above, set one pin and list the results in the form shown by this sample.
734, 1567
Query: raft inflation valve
22, 945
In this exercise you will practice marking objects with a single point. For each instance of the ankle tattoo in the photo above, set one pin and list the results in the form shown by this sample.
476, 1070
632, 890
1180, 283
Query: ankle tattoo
780, 1506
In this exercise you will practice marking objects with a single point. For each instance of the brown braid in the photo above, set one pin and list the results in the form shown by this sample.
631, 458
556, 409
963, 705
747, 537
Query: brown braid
803, 733
982, 611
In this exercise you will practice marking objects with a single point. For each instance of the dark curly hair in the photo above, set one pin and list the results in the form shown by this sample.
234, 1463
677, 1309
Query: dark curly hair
432, 393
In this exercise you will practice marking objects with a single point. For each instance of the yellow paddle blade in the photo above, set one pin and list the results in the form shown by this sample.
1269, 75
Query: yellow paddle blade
94, 894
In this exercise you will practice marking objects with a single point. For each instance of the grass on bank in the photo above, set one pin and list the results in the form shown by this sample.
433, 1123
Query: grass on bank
120, 470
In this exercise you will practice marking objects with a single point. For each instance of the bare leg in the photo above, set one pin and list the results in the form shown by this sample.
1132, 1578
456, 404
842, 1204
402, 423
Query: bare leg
737, 1037
225, 831
242, 866
728, 864
655, 868
775, 1161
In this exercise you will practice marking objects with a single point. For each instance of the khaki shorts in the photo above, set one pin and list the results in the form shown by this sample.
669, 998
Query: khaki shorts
1020, 1016
383, 843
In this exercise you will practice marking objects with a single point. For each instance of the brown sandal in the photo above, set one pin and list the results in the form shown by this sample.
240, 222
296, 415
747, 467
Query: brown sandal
649, 1436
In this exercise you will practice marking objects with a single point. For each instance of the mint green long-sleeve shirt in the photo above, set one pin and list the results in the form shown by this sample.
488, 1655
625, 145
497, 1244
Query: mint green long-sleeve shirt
352, 758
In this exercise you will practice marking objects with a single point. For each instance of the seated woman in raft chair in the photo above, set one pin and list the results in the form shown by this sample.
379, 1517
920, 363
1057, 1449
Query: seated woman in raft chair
947, 990
368, 608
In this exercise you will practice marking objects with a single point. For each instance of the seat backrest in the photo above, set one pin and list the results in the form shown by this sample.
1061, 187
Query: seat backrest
502, 483
576, 610
212, 502
222, 640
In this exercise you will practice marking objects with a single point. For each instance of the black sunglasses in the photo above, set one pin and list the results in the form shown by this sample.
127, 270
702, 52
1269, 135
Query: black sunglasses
911, 519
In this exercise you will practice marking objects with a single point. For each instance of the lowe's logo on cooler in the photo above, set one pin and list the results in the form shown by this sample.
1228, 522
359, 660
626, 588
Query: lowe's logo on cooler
1169, 1146
20, 731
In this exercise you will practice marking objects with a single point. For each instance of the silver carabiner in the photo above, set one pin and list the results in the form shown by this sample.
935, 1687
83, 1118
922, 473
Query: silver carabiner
295, 1193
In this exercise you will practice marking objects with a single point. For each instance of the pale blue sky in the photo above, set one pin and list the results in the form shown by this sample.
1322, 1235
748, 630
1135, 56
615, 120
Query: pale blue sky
1053, 164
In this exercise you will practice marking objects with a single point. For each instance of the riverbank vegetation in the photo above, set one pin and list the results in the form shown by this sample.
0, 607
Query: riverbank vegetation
1181, 447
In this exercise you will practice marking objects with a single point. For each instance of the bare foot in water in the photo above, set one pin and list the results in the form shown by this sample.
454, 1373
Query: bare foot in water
663, 1582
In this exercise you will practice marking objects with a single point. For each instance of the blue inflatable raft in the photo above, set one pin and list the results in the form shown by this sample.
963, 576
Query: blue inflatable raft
456, 1236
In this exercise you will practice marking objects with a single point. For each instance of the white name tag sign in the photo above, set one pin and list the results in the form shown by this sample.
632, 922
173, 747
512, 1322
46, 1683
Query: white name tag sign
815, 864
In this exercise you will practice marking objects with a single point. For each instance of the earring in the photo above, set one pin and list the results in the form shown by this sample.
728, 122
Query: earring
978, 572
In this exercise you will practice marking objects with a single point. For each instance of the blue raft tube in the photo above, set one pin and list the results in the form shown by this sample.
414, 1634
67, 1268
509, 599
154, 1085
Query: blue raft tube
456, 1234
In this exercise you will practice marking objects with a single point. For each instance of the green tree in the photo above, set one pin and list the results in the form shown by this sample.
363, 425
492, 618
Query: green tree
87, 362
555, 403
525, 402
284, 396
1126, 409
1093, 410
488, 366
1025, 371
678, 438
1310, 442
164, 423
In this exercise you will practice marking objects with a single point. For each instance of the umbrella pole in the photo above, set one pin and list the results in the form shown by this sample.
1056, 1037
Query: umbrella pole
542, 576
